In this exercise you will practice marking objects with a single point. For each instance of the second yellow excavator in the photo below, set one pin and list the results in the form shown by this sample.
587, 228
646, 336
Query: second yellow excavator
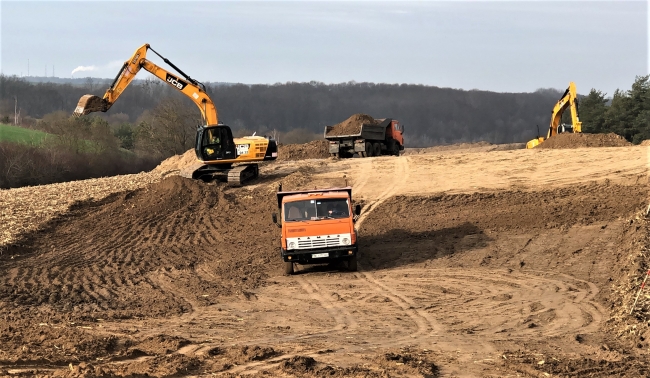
568, 99
216, 149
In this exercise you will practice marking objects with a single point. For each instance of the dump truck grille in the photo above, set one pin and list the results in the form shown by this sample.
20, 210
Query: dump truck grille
323, 241
319, 242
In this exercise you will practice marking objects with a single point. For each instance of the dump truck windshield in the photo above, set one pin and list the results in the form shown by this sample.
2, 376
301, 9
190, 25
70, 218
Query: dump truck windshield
316, 209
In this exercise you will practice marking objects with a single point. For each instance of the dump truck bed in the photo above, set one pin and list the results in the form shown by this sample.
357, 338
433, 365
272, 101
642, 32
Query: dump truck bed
367, 131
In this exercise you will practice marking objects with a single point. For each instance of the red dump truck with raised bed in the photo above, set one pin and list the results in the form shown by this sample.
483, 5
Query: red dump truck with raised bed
365, 137
317, 227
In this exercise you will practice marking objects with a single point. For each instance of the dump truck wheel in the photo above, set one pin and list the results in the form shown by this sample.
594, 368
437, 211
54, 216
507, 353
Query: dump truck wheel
369, 149
288, 267
352, 263
393, 147
376, 149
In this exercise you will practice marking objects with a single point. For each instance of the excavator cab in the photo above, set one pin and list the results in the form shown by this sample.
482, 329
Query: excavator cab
565, 128
215, 143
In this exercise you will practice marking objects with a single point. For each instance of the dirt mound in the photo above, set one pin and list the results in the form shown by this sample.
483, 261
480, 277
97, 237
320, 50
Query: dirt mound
176, 162
645, 143
578, 140
352, 125
444, 225
27, 209
317, 149
159, 250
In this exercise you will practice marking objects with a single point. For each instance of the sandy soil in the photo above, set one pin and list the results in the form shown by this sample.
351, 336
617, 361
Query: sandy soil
473, 263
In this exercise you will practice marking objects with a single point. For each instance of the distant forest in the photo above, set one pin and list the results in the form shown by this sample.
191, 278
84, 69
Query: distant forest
431, 115
152, 121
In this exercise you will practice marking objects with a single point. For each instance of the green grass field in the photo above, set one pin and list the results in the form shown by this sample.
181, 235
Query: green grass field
21, 135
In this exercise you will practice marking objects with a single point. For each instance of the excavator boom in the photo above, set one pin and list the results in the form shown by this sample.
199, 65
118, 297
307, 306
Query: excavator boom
568, 100
190, 87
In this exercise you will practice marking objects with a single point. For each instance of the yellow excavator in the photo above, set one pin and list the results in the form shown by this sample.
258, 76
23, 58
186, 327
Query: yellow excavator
568, 99
216, 149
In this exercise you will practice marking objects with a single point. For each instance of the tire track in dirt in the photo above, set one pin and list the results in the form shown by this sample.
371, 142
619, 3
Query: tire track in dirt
425, 324
341, 321
527, 305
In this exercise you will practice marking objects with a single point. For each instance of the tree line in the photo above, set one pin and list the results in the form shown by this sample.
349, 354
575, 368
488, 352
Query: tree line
152, 120
628, 112
431, 115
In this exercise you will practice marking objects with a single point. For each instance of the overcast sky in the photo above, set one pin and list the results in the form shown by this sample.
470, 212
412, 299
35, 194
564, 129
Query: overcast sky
491, 45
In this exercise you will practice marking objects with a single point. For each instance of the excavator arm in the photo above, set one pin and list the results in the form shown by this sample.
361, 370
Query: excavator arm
188, 86
569, 100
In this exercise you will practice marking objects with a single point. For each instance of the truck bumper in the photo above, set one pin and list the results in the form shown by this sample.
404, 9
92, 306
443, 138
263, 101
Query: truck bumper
306, 256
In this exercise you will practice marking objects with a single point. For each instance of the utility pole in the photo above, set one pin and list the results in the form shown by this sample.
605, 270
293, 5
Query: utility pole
15, 111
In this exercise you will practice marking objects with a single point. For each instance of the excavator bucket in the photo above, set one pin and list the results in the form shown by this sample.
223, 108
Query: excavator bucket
90, 103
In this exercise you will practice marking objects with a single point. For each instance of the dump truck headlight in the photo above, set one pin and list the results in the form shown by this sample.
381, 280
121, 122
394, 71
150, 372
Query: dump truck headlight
346, 241
292, 245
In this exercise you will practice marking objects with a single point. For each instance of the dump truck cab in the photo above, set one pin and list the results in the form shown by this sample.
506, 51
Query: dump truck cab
395, 131
379, 137
317, 227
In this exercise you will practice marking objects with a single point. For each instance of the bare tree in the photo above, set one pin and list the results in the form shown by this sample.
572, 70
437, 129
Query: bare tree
170, 129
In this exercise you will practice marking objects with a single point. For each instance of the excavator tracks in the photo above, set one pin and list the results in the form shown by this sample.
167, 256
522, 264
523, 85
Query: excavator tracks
242, 173
235, 176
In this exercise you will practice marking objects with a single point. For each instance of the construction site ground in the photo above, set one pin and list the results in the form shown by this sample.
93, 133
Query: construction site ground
474, 262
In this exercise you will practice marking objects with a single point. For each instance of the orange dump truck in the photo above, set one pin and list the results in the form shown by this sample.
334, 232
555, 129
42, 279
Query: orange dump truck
317, 227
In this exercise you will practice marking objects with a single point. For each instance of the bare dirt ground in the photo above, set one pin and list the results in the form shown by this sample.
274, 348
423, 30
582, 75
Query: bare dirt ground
473, 263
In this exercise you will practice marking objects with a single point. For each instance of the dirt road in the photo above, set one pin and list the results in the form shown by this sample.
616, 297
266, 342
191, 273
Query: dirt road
473, 263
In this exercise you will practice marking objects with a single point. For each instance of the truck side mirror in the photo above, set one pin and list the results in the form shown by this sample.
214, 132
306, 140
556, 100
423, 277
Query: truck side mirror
357, 210
275, 220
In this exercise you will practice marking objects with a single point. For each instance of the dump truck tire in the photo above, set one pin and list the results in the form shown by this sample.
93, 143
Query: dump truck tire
369, 149
376, 149
288, 268
352, 263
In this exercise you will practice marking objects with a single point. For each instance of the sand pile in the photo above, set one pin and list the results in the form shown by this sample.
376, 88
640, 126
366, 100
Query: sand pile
176, 162
645, 143
352, 125
578, 140
317, 149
